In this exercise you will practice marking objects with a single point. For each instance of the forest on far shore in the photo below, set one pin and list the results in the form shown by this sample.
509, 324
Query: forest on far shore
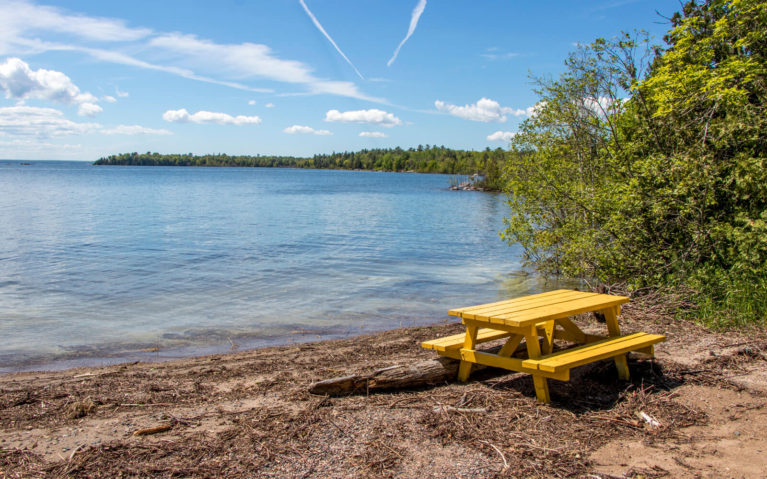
486, 164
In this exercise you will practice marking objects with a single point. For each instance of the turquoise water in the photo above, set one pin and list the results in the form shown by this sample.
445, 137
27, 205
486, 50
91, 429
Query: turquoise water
101, 264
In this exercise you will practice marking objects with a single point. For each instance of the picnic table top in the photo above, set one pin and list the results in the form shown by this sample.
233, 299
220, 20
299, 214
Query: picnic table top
529, 310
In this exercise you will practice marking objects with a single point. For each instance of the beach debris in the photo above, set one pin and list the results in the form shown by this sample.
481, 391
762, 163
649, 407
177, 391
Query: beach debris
153, 430
649, 420
443, 408
80, 408
433, 371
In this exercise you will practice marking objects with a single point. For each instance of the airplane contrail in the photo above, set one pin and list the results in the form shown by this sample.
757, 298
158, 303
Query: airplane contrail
417, 11
319, 27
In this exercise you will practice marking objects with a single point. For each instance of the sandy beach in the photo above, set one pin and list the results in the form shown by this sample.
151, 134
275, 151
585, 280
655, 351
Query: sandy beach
249, 414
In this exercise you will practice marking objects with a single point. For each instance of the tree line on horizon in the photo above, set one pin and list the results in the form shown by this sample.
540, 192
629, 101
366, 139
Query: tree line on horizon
487, 164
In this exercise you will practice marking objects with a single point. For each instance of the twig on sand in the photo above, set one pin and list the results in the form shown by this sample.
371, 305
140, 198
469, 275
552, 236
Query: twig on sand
74, 451
612, 419
153, 430
500, 453
442, 408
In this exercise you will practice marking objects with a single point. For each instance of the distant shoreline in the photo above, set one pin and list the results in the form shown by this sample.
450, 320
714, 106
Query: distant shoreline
485, 165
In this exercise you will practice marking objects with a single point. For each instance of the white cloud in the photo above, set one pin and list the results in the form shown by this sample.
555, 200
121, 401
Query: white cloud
370, 117
373, 134
494, 54
135, 130
244, 61
251, 102
33, 145
28, 28
19, 82
28, 121
121, 94
603, 106
89, 109
209, 117
21, 17
504, 136
40, 122
306, 130
330, 39
109, 99
269, 105
414, 16
485, 110
241, 60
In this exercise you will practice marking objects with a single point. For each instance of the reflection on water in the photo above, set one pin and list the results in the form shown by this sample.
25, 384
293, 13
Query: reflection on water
101, 264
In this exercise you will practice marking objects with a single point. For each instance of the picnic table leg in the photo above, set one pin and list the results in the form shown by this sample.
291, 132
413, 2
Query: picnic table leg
611, 318
534, 352
464, 370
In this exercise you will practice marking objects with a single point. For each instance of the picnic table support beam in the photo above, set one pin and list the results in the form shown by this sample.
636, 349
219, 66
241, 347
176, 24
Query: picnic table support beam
534, 352
547, 345
611, 318
511, 345
464, 370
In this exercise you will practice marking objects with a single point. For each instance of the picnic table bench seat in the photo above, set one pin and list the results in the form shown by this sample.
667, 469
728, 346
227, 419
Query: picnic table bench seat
455, 342
606, 348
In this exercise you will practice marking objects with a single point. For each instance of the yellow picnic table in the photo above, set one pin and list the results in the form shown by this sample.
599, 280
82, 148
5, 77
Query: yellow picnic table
539, 319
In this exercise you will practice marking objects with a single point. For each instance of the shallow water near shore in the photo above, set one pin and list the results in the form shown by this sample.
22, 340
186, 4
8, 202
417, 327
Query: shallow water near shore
106, 264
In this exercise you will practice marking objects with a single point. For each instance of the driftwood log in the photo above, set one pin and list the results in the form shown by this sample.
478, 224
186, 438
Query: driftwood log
423, 373
433, 371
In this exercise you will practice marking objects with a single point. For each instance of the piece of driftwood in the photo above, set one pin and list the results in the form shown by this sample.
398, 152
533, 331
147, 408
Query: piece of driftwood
422, 373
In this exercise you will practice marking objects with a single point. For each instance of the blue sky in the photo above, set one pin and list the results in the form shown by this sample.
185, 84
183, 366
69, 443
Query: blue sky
82, 79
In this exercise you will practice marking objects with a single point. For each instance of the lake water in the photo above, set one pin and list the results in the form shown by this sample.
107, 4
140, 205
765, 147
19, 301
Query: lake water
104, 264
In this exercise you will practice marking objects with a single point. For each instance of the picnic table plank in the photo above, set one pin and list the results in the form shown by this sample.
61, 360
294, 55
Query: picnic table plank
522, 300
559, 310
508, 308
456, 341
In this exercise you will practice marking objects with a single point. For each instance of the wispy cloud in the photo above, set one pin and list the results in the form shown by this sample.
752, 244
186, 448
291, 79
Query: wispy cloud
305, 130
12, 148
21, 17
373, 134
417, 11
40, 122
485, 110
504, 136
32, 29
368, 117
209, 117
135, 130
330, 39
28, 121
494, 54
